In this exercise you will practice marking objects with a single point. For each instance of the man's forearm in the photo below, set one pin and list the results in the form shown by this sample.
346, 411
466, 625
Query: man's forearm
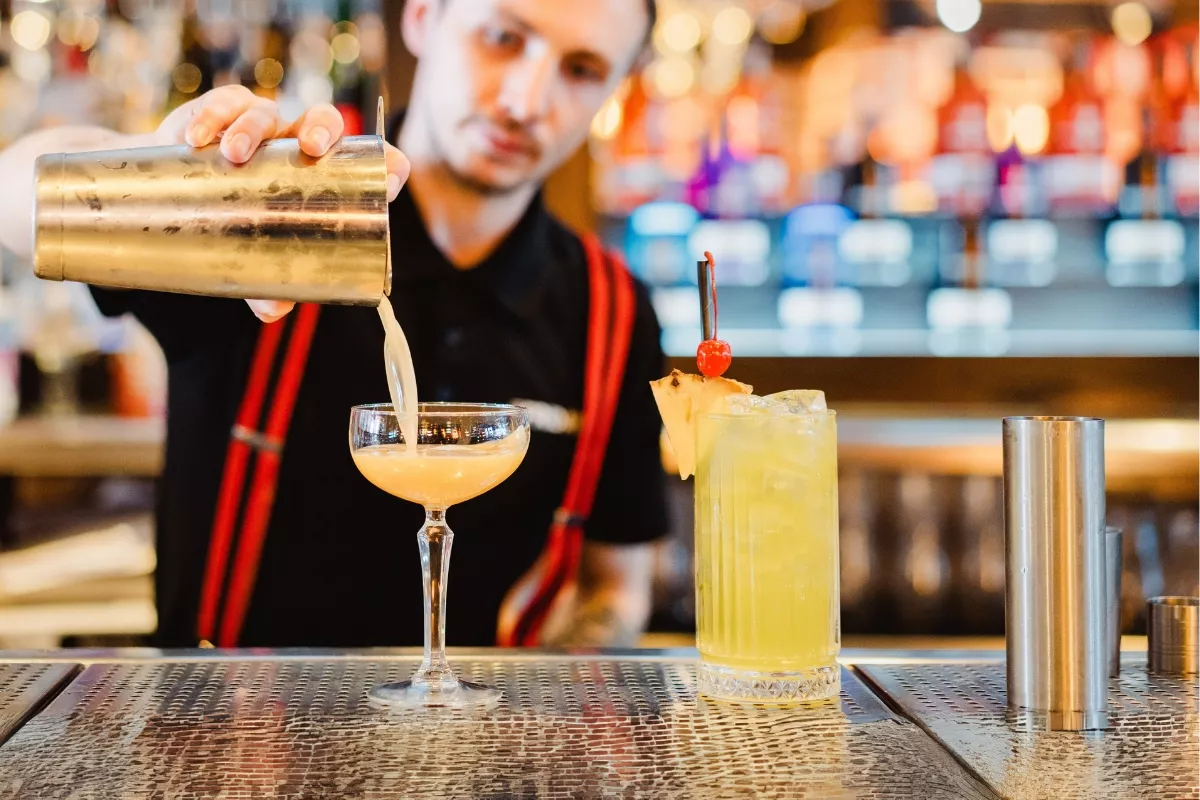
16, 167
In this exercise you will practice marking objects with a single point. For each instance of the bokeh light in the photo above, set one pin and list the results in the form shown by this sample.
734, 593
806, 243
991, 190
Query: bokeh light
30, 29
1031, 128
672, 76
89, 32
781, 22
959, 15
268, 72
186, 78
743, 125
311, 52
345, 48
732, 25
1131, 23
31, 66
681, 32
999, 127
314, 89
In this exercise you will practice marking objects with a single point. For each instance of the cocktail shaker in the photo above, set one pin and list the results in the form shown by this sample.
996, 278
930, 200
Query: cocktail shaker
1056, 635
282, 226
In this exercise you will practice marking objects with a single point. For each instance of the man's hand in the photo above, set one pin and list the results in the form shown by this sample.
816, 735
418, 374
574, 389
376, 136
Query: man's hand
611, 604
242, 121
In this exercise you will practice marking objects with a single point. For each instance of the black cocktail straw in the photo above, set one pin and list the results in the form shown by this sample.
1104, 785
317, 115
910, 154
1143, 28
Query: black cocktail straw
707, 311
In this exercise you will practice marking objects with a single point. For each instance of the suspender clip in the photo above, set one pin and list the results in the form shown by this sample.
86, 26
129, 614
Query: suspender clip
256, 440
563, 516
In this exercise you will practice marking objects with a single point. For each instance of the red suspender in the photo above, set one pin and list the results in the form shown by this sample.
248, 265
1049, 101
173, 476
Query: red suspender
610, 327
261, 495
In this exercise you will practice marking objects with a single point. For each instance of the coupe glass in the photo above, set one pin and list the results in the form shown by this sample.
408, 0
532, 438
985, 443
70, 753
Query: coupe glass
462, 451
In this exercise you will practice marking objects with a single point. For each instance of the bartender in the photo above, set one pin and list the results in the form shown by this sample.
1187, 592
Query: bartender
296, 548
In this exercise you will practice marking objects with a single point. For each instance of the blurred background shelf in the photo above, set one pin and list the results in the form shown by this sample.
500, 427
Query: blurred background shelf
1141, 455
81, 446
90, 578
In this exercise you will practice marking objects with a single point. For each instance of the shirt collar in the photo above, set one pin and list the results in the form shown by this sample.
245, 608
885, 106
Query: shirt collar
514, 272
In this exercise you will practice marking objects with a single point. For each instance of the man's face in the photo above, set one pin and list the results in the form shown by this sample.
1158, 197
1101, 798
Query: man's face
508, 88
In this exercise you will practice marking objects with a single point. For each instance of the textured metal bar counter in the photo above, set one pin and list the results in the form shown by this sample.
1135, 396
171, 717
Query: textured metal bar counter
23, 689
571, 726
1151, 749
608, 724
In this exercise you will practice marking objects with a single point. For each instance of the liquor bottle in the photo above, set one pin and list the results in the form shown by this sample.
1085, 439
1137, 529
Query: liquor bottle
1177, 125
963, 170
626, 174
1078, 177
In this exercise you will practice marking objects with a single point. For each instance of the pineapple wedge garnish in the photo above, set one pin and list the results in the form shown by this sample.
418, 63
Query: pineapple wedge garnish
680, 398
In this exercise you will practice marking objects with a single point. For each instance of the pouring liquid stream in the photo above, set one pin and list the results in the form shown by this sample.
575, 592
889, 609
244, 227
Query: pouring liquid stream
401, 378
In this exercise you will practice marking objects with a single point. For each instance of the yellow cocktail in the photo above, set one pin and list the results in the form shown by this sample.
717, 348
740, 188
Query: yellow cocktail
767, 616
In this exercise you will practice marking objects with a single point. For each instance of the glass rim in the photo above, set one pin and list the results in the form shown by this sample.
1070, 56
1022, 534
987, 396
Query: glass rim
444, 409
792, 415
1051, 418
1174, 601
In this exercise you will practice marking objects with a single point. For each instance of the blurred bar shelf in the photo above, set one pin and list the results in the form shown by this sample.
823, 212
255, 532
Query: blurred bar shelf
81, 446
1155, 457
929, 724
921, 342
1154, 453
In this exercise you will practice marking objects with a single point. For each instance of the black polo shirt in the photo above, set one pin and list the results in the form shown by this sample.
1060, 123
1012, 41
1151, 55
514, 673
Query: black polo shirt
340, 567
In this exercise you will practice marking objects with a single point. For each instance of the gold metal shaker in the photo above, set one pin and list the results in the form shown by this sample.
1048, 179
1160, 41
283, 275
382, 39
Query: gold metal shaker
282, 226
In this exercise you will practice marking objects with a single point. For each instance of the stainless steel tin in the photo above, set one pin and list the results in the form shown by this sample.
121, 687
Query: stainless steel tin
1112, 595
283, 226
1055, 594
1173, 625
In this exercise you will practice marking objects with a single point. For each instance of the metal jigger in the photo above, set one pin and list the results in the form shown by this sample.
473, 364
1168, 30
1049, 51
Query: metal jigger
282, 226
1056, 638
1173, 634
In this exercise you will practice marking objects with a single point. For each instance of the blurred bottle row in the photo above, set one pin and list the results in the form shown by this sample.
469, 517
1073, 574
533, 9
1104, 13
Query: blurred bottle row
125, 65
909, 118
913, 178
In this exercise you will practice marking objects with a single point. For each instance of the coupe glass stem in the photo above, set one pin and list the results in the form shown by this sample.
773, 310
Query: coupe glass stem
434, 539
